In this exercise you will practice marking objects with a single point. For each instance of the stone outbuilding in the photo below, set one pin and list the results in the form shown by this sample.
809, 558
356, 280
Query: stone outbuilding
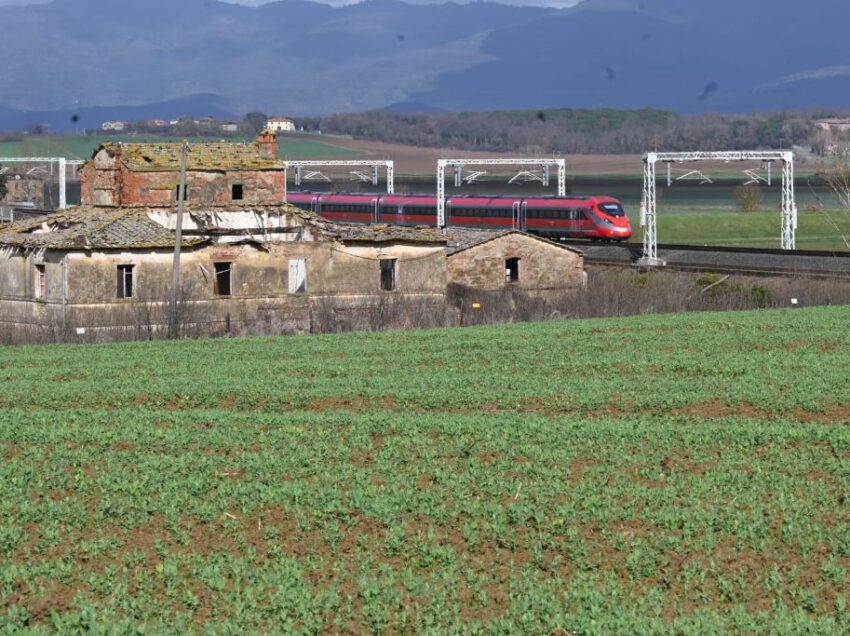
218, 174
509, 275
511, 259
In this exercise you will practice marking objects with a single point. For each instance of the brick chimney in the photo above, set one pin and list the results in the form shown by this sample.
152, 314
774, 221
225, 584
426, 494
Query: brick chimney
267, 144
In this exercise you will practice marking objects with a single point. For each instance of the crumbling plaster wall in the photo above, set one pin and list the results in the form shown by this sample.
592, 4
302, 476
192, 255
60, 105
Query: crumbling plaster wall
18, 302
340, 278
542, 266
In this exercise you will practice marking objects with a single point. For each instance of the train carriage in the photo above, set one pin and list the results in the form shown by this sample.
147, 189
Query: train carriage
593, 217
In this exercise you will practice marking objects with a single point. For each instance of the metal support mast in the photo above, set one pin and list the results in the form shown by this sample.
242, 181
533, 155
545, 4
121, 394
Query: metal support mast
374, 164
648, 203
647, 215
789, 204
458, 165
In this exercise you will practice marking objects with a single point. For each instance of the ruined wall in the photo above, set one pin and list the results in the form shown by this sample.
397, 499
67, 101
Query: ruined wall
106, 181
20, 310
100, 180
259, 187
25, 190
342, 292
356, 268
542, 266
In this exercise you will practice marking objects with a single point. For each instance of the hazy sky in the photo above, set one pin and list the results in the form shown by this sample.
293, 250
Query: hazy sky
250, 3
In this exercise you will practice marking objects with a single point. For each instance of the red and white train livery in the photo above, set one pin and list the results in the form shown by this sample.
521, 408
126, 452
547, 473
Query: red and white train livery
594, 217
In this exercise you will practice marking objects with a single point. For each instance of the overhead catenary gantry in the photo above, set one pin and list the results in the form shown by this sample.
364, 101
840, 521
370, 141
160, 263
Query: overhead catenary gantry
459, 164
375, 164
63, 164
648, 204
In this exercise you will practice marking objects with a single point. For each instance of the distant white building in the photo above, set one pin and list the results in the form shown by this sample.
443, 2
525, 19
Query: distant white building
280, 124
834, 125
113, 125
230, 127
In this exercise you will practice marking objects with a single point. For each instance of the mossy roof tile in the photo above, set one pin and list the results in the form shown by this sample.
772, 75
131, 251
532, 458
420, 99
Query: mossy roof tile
165, 157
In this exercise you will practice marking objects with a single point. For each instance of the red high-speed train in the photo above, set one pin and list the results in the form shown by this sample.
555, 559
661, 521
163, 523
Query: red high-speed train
596, 217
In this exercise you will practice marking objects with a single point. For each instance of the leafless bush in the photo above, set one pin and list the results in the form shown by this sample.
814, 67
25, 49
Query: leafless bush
476, 307
389, 311
748, 198
617, 292
149, 314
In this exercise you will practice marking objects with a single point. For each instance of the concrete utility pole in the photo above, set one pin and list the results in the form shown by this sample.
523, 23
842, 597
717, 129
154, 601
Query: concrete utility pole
173, 330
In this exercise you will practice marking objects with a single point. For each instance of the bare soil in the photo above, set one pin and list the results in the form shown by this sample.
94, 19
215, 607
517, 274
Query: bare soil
418, 161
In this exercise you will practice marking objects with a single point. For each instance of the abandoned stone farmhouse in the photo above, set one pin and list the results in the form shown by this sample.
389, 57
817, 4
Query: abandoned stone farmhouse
250, 264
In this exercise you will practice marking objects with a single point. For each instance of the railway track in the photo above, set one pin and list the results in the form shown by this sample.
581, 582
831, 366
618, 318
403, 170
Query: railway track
726, 260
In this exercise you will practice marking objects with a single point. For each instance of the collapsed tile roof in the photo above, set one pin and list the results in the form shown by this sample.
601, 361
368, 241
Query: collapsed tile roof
462, 238
165, 157
105, 228
90, 228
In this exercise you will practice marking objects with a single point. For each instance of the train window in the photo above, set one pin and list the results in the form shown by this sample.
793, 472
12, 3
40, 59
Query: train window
612, 209
512, 270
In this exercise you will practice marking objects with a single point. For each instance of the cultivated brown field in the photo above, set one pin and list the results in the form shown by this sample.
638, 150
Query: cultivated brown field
413, 160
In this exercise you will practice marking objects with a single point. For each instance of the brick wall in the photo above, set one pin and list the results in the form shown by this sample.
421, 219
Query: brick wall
106, 181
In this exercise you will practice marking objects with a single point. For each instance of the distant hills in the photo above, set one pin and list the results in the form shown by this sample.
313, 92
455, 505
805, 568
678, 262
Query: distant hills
128, 59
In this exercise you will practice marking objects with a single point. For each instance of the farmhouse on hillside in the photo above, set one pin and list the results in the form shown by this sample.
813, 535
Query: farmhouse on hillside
280, 124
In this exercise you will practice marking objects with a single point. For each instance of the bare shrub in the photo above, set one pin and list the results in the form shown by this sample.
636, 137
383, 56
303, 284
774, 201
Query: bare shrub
618, 292
836, 175
382, 312
476, 307
748, 198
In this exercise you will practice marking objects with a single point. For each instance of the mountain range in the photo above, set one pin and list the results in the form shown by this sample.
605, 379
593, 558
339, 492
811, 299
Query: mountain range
105, 59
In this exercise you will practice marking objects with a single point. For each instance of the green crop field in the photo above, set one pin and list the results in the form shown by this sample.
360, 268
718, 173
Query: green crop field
82, 146
815, 230
682, 474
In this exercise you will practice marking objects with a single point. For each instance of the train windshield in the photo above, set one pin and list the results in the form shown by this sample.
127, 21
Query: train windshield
611, 209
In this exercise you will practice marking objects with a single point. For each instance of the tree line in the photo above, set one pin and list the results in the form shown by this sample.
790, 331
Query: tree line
576, 131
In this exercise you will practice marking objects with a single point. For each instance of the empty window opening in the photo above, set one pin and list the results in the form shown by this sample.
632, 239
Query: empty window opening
40, 281
236, 192
388, 273
512, 270
177, 192
297, 276
222, 279
125, 281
